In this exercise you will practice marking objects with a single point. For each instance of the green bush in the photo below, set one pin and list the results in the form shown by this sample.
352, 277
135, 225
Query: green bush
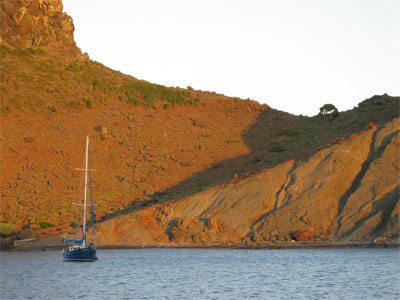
327, 109
52, 109
46, 68
4, 49
89, 104
72, 104
15, 101
150, 98
22, 52
290, 132
44, 225
72, 67
133, 101
328, 112
5, 109
3, 89
96, 83
276, 148
39, 51
26, 52
24, 76
6, 228
150, 93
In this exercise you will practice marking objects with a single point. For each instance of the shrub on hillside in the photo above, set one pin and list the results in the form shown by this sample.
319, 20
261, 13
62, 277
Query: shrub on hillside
6, 229
5, 109
276, 148
72, 67
72, 104
149, 93
89, 104
44, 225
4, 49
133, 101
52, 109
26, 52
290, 132
96, 83
328, 110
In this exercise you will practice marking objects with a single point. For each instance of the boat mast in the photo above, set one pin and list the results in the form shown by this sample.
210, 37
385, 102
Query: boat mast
84, 202
91, 199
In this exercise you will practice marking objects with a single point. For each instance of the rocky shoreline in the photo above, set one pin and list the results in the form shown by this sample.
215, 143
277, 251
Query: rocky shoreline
55, 243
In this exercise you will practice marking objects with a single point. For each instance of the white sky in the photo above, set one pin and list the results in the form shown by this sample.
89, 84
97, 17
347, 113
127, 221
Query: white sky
294, 55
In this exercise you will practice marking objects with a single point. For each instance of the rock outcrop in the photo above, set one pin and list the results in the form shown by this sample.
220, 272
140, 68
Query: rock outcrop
348, 191
27, 234
36, 23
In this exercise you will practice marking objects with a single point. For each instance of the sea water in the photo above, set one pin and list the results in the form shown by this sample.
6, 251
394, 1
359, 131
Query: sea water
204, 274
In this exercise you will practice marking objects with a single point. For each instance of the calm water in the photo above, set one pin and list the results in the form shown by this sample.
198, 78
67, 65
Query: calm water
204, 274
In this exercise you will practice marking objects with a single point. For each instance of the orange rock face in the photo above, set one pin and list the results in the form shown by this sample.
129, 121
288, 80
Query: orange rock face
32, 24
347, 191
303, 235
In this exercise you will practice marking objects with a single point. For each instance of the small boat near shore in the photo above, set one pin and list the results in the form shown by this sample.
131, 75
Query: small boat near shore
78, 250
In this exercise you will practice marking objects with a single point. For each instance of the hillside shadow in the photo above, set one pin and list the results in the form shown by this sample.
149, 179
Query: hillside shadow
261, 138
275, 137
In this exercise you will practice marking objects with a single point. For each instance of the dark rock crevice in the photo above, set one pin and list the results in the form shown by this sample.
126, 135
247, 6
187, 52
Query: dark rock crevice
264, 217
171, 224
374, 154
291, 179
387, 204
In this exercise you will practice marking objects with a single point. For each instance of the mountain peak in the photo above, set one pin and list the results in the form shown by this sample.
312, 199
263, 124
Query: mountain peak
33, 24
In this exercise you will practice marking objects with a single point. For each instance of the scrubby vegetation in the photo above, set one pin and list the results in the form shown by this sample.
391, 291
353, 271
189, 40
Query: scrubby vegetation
21, 52
6, 229
45, 225
292, 132
60, 85
53, 109
276, 148
138, 92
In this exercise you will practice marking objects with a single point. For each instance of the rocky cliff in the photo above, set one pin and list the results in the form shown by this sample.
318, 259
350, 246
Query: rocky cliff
36, 23
349, 191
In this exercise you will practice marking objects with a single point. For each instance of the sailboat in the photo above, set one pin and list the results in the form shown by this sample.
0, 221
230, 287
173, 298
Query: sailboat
79, 250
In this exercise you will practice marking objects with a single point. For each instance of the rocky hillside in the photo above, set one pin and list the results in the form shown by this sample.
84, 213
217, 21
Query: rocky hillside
348, 191
150, 144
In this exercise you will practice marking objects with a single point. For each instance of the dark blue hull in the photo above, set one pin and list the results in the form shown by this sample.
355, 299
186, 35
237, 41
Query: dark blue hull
83, 254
